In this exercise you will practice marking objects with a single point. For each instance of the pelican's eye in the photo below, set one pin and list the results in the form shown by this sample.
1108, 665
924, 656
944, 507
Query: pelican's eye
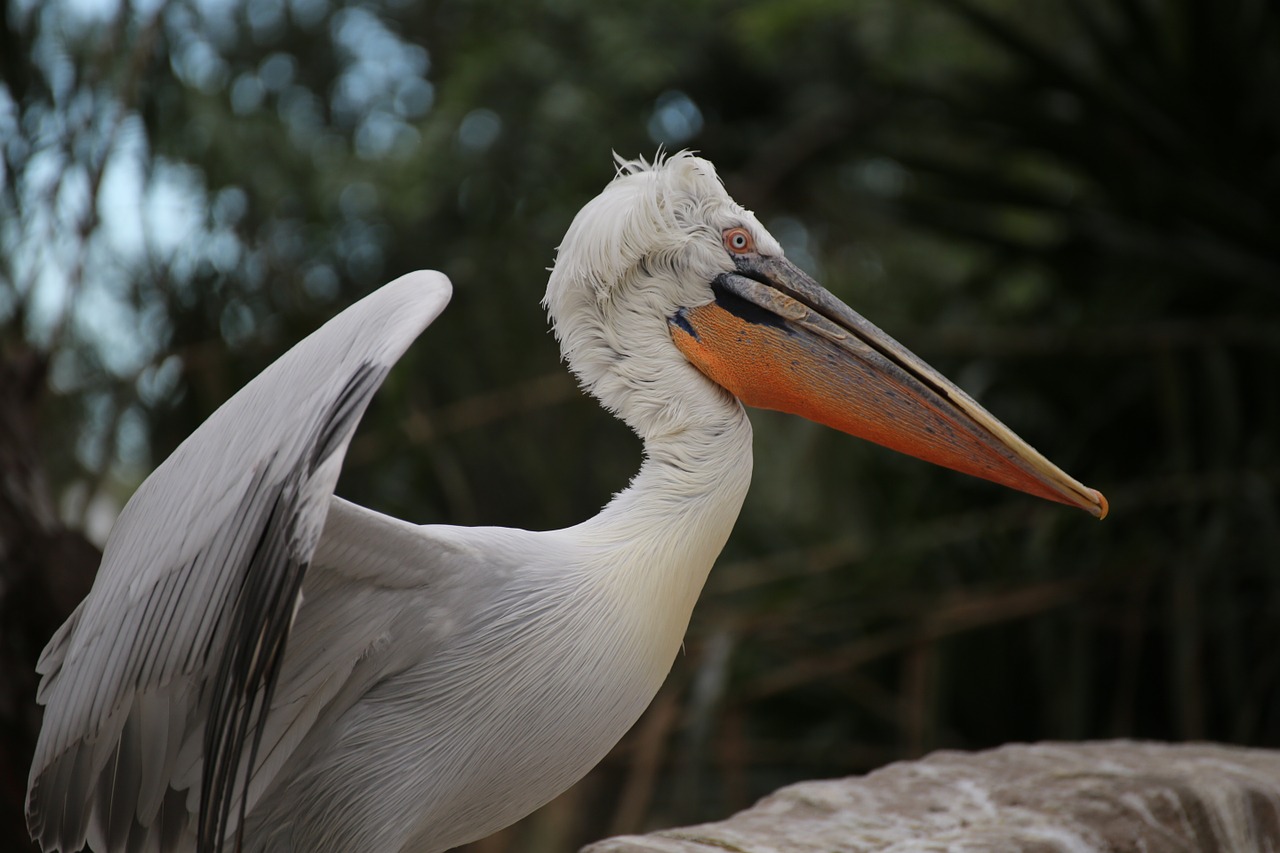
739, 241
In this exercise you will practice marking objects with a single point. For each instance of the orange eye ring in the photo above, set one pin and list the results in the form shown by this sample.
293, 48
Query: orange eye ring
739, 241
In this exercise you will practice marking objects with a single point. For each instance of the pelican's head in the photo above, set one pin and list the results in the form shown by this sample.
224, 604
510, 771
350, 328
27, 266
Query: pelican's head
669, 300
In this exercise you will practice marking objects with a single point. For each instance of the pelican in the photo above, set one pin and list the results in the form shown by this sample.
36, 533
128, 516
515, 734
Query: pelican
438, 683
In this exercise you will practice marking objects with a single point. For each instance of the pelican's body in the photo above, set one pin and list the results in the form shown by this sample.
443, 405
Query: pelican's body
441, 682
574, 631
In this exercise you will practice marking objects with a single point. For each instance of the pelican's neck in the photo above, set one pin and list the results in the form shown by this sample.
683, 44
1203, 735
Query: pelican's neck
656, 540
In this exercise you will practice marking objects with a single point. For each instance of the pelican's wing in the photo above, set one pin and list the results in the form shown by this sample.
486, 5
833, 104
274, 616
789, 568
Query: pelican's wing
186, 623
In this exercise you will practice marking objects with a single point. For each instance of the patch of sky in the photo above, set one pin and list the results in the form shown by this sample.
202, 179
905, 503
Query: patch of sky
106, 316
414, 97
132, 446
303, 113
58, 69
247, 93
91, 444
215, 19
379, 62
236, 323
308, 13
197, 63
158, 381
675, 120
797, 242
77, 18
359, 244
277, 71
383, 85
123, 182
229, 206
381, 133
174, 206
479, 129
321, 282
13, 146
266, 19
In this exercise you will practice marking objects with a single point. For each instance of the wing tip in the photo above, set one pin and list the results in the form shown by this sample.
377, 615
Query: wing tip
432, 283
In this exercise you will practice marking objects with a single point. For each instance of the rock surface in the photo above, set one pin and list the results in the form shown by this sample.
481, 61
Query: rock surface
1117, 796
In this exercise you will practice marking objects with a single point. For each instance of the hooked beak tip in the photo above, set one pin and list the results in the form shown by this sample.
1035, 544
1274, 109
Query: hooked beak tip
1101, 507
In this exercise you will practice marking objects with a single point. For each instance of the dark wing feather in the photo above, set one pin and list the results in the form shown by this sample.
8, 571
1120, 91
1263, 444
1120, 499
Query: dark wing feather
174, 653
260, 620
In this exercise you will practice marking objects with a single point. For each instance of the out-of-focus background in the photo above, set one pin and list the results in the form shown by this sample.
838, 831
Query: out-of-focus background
1071, 207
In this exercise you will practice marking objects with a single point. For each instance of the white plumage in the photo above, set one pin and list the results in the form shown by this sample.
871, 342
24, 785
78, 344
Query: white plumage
438, 682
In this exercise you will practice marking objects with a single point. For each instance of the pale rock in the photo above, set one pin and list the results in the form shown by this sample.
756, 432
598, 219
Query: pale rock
1116, 796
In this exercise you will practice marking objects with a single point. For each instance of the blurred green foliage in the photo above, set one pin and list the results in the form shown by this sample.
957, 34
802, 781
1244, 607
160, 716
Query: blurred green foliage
1072, 207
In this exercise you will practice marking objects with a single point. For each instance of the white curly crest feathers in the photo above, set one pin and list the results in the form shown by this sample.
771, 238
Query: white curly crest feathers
647, 246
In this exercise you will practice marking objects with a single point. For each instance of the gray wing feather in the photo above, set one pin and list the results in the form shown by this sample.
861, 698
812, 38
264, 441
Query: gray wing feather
173, 655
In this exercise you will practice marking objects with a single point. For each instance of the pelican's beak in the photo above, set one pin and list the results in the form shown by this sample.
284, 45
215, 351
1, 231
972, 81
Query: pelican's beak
778, 340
